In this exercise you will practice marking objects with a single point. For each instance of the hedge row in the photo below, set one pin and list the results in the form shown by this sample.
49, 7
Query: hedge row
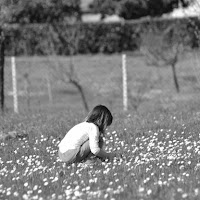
42, 39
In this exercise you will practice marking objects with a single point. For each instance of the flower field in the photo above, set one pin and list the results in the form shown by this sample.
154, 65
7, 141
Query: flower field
161, 158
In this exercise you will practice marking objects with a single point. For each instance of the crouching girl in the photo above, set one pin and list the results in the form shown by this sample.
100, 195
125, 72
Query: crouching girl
85, 139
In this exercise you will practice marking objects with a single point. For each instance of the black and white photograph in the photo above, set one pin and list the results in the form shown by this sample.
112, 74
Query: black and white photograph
99, 99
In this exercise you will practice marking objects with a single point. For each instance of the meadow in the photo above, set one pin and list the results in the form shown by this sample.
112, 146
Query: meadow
101, 78
158, 136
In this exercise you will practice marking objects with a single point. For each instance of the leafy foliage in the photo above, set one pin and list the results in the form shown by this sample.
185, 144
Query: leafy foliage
104, 7
133, 9
41, 39
39, 11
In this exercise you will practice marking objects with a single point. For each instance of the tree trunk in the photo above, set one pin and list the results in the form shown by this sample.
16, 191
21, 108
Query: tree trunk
175, 78
73, 79
80, 89
2, 70
72, 42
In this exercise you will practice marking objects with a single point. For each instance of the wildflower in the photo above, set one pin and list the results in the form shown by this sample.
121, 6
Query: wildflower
77, 193
181, 167
146, 180
35, 187
109, 190
160, 182
111, 183
25, 196
136, 159
196, 191
184, 195
46, 183
189, 148
35, 197
149, 191
68, 192
16, 194
171, 157
55, 179
87, 188
141, 189
77, 187
189, 162
60, 197
25, 184
180, 190
39, 191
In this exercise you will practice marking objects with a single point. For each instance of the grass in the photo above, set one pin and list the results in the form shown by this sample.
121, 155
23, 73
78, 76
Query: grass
160, 158
159, 142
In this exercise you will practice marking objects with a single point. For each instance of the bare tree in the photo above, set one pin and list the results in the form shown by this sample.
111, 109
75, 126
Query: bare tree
162, 48
70, 39
137, 97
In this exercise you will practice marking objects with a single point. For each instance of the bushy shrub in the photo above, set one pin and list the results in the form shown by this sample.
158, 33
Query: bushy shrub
41, 39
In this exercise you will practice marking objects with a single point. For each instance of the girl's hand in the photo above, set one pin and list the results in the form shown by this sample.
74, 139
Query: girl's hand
115, 155
112, 156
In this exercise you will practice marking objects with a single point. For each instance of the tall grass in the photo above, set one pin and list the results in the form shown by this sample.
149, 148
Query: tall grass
160, 150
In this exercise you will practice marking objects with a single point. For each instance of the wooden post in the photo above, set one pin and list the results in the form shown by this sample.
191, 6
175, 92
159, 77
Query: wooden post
14, 82
49, 88
2, 55
124, 78
27, 90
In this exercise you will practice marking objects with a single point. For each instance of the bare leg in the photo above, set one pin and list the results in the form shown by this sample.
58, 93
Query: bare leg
85, 152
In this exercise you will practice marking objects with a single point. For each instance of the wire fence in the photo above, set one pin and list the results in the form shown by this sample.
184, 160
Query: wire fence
43, 83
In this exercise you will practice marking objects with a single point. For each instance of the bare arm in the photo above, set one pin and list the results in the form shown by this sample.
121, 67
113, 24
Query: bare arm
94, 145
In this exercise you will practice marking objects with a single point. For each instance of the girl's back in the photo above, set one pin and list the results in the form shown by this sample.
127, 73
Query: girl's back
76, 136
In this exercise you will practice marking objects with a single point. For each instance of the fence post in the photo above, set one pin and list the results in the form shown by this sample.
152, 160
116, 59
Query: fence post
2, 55
124, 78
49, 87
14, 82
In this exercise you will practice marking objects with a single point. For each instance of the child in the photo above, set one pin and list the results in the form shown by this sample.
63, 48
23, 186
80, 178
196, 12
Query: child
85, 139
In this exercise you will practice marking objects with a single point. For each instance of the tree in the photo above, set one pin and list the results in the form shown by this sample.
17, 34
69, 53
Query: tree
133, 9
3, 18
104, 7
71, 39
163, 47
39, 11
1, 70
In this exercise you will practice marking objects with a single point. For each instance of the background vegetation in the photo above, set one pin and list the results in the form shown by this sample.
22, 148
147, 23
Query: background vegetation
134, 9
42, 39
22, 11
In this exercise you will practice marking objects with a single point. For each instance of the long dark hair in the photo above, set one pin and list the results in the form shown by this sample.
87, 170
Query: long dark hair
100, 116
